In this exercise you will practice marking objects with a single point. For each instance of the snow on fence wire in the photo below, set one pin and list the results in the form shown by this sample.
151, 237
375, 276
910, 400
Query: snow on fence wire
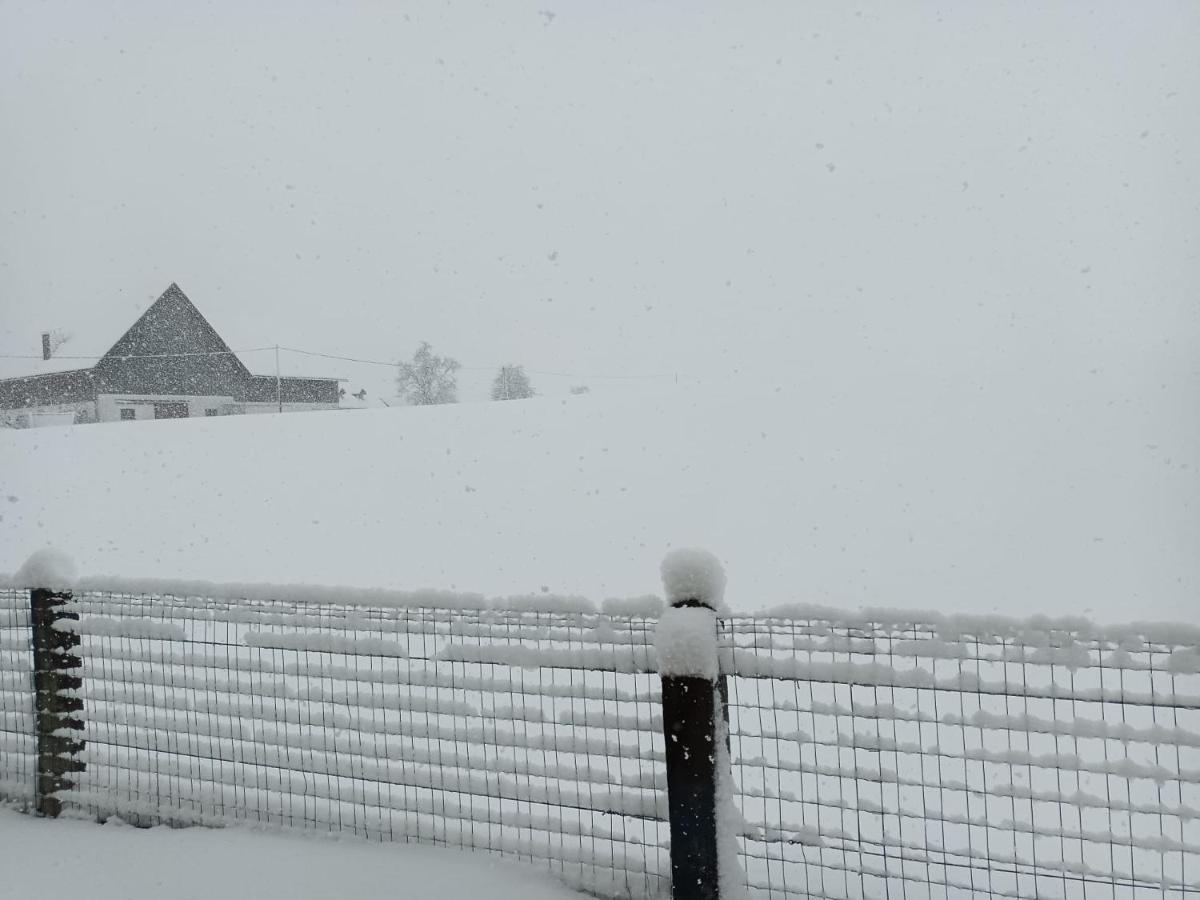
18, 744
874, 756
420, 724
879, 757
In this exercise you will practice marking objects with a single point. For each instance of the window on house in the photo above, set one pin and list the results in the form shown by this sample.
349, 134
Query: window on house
210, 412
128, 413
172, 410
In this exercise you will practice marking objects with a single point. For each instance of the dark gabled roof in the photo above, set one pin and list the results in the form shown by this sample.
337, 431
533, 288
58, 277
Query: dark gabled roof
144, 338
170, 349
94, 332
73, 386
262, 389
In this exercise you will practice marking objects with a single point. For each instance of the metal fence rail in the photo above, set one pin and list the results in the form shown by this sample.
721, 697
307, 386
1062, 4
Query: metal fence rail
891, 759
872, 757
17, 740
390, 723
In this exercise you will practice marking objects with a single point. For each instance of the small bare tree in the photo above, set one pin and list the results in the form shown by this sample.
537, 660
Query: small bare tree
429, 379
58, 337
511, 384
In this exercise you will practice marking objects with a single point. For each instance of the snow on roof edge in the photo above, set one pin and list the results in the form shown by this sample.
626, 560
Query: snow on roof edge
46, 374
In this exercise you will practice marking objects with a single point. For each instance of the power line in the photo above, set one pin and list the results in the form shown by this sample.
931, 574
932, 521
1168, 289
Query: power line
353, 359
140, 355
392, 364
372, 362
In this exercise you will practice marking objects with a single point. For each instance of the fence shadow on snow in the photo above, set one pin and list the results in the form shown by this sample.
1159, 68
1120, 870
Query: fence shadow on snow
878, 755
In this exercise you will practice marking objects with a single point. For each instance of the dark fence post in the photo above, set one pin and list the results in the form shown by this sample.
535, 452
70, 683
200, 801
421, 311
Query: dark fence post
57, 751
690, 705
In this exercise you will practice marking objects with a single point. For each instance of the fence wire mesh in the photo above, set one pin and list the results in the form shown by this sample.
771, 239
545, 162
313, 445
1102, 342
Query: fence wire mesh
871, 759
897, 760
526, 733
18, 744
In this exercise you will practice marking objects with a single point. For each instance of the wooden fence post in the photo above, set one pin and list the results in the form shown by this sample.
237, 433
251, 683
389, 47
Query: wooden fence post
695, 703
693, 696
57, 751
689, 725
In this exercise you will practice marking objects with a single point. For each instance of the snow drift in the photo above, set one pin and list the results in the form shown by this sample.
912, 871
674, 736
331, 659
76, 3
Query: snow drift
875, 495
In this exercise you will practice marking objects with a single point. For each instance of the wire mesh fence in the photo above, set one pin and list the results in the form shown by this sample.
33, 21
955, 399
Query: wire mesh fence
428, 725
17, 741
899, 759
872, 758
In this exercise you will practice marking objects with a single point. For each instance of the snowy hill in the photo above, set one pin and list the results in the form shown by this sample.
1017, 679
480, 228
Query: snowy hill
874, 494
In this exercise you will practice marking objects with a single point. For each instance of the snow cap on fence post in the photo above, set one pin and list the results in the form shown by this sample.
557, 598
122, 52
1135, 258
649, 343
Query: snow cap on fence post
685, 641
693, 577
47, 568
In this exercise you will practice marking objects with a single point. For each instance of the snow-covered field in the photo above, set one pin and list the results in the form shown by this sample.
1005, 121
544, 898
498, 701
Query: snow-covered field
116, 862
883, 494
929, 503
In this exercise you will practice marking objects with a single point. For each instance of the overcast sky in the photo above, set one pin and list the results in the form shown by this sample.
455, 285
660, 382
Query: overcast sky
791, 190
997, 203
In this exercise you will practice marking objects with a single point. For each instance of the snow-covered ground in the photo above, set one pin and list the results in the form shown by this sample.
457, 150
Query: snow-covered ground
119, 862
426, 723
897, 494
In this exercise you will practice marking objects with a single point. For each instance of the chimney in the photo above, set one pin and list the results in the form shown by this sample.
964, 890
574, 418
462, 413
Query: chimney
45, 345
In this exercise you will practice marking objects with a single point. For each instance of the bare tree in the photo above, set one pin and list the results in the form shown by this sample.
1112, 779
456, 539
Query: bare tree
511, 384
58, 337
429, 379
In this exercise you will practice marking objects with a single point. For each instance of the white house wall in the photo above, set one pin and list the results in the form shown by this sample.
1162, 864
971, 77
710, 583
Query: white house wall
109, 406
53, 414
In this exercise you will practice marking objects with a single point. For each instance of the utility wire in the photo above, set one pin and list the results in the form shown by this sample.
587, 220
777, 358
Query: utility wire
380, 362
140, 356
353, 359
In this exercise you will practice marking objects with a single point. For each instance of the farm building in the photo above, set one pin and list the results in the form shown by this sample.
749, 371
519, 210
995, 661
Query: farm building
169, 364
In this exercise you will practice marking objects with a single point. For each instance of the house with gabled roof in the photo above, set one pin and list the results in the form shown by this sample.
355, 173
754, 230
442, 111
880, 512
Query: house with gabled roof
169, 364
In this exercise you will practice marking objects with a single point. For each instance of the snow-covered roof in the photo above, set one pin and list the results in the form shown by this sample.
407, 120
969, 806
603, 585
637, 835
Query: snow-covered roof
80, 340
